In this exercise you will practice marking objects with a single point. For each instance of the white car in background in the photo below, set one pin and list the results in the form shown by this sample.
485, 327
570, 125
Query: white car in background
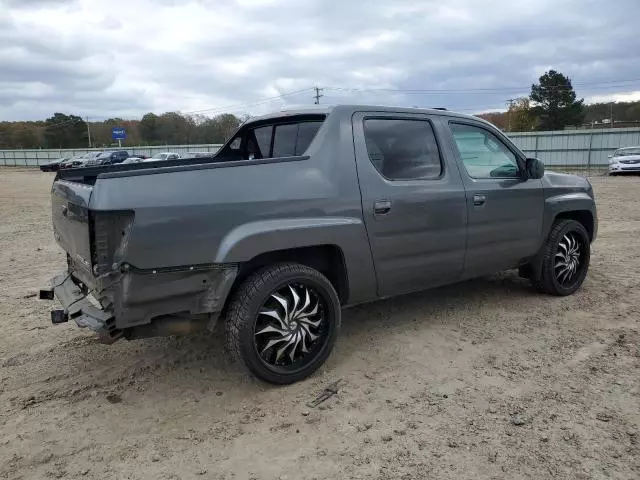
164, 156
625, 160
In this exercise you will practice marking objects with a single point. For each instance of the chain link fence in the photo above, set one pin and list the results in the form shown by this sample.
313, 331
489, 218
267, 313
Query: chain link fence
33, 158
584, 151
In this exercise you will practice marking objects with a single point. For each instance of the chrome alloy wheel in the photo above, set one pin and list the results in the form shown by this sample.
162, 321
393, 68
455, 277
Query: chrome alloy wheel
291, 326
568, 259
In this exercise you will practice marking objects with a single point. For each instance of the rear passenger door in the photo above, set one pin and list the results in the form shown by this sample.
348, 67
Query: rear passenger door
505, 211
413, 202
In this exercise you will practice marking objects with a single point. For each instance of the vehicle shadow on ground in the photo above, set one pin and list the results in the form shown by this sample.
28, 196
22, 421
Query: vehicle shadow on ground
199, 362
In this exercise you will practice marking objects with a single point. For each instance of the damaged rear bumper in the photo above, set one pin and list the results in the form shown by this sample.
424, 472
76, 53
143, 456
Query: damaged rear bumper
77, 306
133, 303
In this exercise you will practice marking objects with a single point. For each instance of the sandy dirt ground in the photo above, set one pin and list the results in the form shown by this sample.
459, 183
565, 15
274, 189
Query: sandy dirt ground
480, 380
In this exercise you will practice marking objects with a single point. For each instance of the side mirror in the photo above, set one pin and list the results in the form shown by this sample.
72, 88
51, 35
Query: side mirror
535, 168
610, 155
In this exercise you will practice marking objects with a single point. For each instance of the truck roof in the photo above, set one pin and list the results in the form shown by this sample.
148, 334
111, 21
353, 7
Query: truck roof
350, 109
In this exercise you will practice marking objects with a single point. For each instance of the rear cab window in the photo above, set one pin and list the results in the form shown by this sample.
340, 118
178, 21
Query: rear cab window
273, 138
403, 149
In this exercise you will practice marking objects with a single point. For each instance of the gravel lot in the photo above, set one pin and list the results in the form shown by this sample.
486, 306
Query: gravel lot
484, 379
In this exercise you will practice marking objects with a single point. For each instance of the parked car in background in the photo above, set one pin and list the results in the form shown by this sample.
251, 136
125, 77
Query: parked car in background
625, 160
78, 160
109, 157
302, 213
164, 156
54, 165
198, 155
132, 160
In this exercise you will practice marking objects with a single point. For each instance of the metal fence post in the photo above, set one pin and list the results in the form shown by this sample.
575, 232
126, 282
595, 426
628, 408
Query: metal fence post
589, 154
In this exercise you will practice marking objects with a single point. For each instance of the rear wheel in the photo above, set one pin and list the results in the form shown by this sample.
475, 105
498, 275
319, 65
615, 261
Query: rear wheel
565, 263
282, 322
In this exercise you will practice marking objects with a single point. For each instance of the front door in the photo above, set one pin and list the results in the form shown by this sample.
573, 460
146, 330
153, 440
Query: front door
505, 211
413, 202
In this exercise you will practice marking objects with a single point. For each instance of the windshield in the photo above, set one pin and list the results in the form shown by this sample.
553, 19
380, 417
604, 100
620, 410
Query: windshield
623, 152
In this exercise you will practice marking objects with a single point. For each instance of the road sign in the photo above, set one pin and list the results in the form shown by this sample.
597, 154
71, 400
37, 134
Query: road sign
118, 133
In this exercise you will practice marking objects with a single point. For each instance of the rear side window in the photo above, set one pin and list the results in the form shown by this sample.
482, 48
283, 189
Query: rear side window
402, 149
293, 139
273, 141
284, 141
263, 139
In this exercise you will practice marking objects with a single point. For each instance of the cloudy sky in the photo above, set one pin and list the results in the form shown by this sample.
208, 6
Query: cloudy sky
106, 58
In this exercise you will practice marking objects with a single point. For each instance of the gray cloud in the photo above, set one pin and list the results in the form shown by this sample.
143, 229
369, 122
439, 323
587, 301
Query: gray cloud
123, 58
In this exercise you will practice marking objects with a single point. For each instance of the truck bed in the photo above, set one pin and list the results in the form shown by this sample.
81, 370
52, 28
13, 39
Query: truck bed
89, 174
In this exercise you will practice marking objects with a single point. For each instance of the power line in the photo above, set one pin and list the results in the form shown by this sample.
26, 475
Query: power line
248, 104
317, 96
500, 90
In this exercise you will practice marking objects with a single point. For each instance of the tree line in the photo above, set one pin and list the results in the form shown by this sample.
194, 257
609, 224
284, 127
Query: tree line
71, 131
553, 105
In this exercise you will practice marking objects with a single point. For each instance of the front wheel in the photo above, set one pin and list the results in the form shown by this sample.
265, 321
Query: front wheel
282, 322
565, 261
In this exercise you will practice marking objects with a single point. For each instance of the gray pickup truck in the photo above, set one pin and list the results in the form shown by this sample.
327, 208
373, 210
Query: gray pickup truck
302, 213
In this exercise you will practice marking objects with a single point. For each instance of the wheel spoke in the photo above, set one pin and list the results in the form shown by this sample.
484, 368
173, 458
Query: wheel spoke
272, 329
307, 301
563, 245
274, 314
280, 352
282, 301
306, 321
273, 342
313, 311
574, 245
304, 349
566, 274
298, 337
306, 329
296, 301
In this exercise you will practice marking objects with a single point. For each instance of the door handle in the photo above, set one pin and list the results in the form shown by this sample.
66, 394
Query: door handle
479, 200
381, 207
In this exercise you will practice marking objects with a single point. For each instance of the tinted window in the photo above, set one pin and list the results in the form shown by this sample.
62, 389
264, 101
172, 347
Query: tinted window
484, 155
403, 149
284, 141
306, 133
272, 141
263, 139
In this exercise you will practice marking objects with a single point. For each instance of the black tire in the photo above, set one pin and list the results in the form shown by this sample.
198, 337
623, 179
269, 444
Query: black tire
243, 316
549, 281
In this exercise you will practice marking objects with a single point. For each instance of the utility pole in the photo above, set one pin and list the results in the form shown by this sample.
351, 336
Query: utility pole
509, 105
88, 131
317, 96
611, 113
